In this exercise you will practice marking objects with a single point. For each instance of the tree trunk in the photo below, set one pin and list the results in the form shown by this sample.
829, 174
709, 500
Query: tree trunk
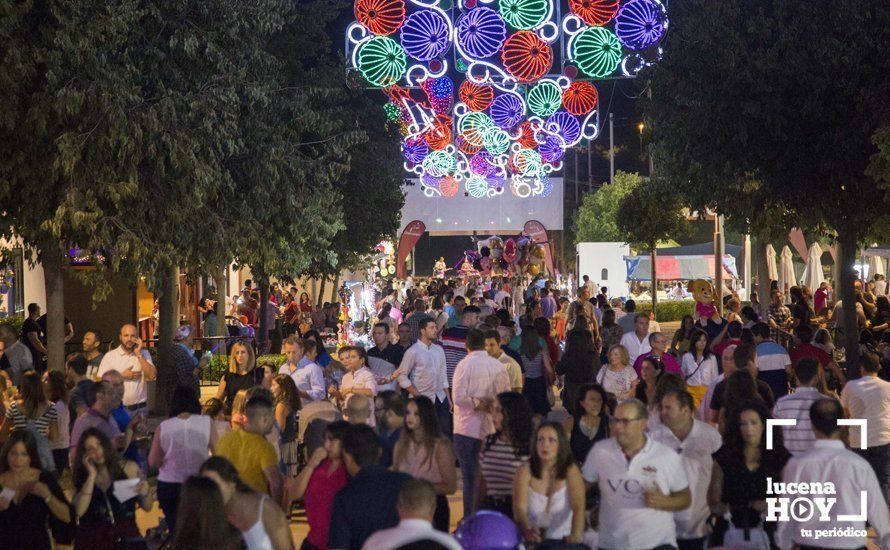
221, 279
335, 290
168, 323
324, 281
654, 289
262, 281
847, 238
763, 280
51, 260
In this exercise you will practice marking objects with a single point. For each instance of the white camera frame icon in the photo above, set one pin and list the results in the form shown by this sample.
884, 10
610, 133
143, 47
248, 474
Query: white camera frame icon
861, 422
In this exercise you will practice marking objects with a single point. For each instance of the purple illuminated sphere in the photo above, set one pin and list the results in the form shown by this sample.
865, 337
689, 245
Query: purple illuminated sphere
565, 125
552, 149
415, 150
480, 163
507, 110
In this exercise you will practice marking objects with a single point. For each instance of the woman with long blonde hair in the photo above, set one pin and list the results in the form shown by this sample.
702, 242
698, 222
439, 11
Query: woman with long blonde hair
242, 374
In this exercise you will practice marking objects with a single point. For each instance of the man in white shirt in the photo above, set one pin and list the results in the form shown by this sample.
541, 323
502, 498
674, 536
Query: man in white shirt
799, 438
695, 442
135, 365
416, 506
642, 483
869, 398
494, 349
306, 374
637, 340
478, 379
829, 461
500, 295
358, 380
423, 371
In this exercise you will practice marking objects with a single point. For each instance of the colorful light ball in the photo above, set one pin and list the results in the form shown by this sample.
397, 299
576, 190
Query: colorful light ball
473, 126
381, 61
439, 136
439, 163
481, 32
448, 186
496, 141
476, 96
415, 150
481, 163
544, 98
580, 98
392, 112
595, 13
466, 146
597, 52
552, 150
640, 24
441, 87
477, 187
507, 110
380, 16
528, 162
526, 56
523, 14
566, 126
425, 35
527, 135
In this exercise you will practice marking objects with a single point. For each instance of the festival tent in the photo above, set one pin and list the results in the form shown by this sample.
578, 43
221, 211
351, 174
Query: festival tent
875, 266
683, 263
812, 274
786, 271
771, 263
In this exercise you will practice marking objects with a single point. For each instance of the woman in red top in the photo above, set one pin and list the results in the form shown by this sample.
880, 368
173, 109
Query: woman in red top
305, 303
319, 481
291, 316
542, 327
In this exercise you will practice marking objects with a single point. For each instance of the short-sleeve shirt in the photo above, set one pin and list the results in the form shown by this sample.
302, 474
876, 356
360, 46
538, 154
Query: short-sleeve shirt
29, 326
78, 396
622, 484
771, 356
809, 350
868, 397
92, 419
16, 415
135, 391
251, 454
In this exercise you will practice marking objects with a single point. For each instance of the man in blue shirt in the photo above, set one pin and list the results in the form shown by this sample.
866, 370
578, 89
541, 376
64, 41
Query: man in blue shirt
368, 502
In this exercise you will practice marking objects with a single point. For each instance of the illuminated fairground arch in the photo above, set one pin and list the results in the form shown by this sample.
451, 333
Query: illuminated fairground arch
488, 94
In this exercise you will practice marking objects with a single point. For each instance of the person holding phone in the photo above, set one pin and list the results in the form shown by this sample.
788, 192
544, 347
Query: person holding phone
134, 363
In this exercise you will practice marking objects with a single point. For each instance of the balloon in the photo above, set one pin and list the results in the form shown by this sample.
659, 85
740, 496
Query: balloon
485, 251
487, 529
510, 251
532, 269
497, 247
485, 265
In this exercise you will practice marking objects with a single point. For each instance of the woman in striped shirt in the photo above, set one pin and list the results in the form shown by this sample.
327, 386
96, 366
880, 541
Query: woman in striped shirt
503, 453
33, 411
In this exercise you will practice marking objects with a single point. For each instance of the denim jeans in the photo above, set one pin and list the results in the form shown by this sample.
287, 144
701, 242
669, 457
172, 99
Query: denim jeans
467, 451
879, 459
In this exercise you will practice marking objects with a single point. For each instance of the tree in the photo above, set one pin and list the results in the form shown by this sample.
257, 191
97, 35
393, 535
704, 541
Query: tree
760, 105
651, 212
596, 219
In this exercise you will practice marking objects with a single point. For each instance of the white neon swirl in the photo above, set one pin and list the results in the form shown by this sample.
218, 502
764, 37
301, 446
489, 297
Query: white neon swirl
425, 73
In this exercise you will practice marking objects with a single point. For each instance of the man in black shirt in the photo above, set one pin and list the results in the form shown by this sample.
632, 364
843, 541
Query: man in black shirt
745, 359
383, 349
368, 502
32, 337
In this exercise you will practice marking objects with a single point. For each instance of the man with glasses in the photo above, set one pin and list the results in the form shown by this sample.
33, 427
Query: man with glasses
642, 483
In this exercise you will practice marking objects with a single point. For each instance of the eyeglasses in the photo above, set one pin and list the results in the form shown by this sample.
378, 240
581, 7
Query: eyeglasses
623, 421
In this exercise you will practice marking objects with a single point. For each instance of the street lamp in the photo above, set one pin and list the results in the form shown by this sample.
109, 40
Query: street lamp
640, 127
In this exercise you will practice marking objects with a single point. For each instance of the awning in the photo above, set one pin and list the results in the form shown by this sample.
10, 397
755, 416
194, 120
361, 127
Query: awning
677, 268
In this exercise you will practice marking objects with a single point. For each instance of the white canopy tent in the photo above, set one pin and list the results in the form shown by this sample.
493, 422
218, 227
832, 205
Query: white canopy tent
786, 271
812, 274
875, 266
771, 263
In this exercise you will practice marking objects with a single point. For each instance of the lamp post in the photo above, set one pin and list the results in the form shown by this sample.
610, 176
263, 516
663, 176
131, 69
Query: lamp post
641, 127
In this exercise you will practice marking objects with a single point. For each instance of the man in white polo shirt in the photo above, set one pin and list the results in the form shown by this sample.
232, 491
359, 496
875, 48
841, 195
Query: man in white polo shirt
134, 364
695, 441
642, 483
637, 341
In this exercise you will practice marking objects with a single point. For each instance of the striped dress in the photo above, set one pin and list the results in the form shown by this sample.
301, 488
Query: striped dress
20, 422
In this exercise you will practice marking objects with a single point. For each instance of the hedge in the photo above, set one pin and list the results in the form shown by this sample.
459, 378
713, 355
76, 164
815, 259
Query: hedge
15, 322
669, 310
220, 364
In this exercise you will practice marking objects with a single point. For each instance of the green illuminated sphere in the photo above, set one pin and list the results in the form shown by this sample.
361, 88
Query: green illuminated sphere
438, 164
392, 111
382, 61
544, 99
473, 126
523, 14
597, 52
496, 141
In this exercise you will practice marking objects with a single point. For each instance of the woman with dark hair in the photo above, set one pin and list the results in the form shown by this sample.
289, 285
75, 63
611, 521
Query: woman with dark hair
37, 498
742, 465
881, 322
103, 521
180, 445
698, 366
611, 333
319, 481
323, 358
589, 423
579, 365
683, 336
538, 370
801, 311
33, 411
503, 453
305, 303
548, 493
651, 371
749, 317
287, 407
424, 453
261, 522
55, 387
542, 327
202, 518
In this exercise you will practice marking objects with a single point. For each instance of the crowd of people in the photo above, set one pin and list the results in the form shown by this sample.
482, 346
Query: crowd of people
664, 442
